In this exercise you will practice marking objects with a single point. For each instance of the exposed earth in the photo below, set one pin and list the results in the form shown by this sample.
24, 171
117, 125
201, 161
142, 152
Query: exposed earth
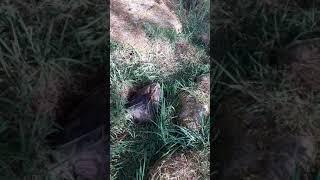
127, 18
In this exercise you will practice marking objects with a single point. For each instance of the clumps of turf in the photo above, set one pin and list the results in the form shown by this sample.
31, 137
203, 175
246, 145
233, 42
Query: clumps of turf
185, 165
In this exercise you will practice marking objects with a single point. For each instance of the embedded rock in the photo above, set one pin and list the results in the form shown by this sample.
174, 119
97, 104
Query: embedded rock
144, 103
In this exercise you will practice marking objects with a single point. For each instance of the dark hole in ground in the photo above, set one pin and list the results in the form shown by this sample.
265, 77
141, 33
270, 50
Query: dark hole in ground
82, 144
83, 110
132, 93
142, 102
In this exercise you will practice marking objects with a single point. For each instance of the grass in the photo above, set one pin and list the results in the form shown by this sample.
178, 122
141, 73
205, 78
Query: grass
46, 46
43, 45
135, 149
248, 39
148, 140
195, 19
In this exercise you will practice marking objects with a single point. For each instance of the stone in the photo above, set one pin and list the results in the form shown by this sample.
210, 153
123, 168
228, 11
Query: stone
144, 103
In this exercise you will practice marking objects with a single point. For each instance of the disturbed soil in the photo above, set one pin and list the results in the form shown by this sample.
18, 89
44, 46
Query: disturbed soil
194, 108
128, 16
184, 165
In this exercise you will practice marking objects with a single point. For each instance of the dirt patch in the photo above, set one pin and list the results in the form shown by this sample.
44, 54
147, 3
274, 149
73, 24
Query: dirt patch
195, 107
203, 87
166, 57
191, 112
169, 57
181, 165
162, 54
184, 50
127, 18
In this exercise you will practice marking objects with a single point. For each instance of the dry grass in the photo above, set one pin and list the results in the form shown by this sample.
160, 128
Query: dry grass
128, 16
166, 57
185, 165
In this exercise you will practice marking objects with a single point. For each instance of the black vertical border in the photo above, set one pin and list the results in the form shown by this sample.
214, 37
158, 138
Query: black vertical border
107, 65
211, 47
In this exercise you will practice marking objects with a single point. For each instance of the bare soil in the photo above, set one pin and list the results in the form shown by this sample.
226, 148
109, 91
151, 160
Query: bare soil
128, 16
195, 107
184, 165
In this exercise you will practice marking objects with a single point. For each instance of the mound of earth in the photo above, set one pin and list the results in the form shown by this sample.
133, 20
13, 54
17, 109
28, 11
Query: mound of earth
194, 108
183, 50
180, 165
128, 16
203, 82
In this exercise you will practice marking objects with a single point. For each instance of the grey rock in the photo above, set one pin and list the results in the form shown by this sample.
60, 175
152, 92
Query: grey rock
144, 104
